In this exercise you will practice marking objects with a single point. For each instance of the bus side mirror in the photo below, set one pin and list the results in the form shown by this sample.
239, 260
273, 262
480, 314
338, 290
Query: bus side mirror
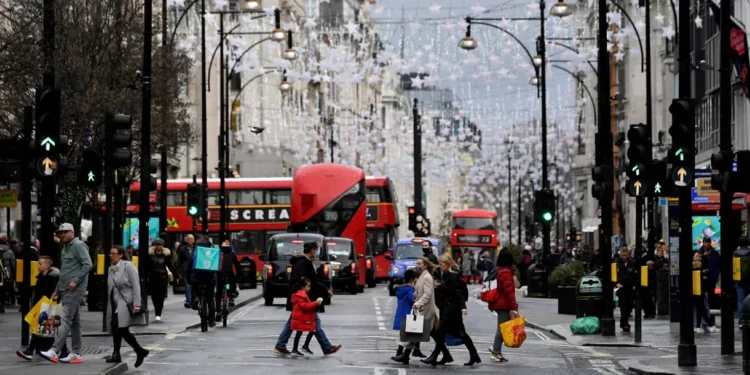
262, 257
389, 256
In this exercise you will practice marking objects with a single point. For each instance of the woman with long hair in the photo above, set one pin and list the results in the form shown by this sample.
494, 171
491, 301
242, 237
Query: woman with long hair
424, 302
452, 304
505, 303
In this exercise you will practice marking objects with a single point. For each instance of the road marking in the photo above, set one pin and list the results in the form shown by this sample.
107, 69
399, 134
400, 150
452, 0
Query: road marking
379, 314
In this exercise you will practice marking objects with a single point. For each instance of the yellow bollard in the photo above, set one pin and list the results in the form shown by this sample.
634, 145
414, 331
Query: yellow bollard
19, 270
135, 261
736, 269
100, 264
644, 275
34, 272
614, 272
697, 283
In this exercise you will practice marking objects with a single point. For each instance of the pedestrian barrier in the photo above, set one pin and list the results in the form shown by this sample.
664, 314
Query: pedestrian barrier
135, 261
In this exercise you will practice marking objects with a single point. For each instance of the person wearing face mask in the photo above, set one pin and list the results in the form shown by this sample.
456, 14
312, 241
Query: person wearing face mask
159, 274
428, 253
424, 302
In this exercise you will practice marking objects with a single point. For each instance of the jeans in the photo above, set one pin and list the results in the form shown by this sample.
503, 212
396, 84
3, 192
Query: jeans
70, 321
741, 294
188, 292
502, 317
320, 335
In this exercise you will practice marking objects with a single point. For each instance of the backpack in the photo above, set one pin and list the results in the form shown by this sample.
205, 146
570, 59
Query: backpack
207, 259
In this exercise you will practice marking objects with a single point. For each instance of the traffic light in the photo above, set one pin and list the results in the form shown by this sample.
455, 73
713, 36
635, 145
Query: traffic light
412, 218
659, 182
602, 176
683, 143
49, 145
721, 163
739, 180
119, 139
90, 172
544, 206
194, 201
573, 235
639, 160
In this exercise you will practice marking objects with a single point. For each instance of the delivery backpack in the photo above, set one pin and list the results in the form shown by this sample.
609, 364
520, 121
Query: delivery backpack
206, 259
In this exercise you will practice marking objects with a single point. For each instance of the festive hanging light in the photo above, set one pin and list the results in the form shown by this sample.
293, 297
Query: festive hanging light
277, 35
290, 54
561, 9
537, 60
534, 81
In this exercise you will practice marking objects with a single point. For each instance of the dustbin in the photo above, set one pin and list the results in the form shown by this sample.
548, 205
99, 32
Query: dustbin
536, 281
246, 274
589, 297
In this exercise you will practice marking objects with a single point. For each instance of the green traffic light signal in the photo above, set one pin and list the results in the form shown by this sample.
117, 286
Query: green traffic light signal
193, 211
680, 154
547, 216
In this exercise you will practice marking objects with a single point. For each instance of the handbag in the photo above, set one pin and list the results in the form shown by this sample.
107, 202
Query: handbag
129, 305
414, 323
490, 295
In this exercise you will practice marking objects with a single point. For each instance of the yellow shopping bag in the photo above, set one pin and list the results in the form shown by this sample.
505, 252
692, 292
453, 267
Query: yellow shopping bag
33, 316
514, 331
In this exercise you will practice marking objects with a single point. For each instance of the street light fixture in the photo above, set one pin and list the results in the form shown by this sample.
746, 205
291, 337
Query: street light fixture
561, 9
290, 54
468, 42
278, 35
253, 5
534, 81
537, 60
285, 86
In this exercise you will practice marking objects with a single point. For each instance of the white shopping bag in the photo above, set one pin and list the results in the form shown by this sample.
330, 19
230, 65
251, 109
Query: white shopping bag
414, 323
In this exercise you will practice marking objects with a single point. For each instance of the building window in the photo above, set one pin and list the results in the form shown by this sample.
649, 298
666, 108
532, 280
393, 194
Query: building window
312, 9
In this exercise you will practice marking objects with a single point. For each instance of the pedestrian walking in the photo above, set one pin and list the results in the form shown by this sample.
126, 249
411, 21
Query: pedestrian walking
503, 302
647, 293
466, 267
302, 266
159, 275
184, 257
427, 251
303, 315
451, 301
46, 282
485, 266
701, 313
710, 271
75, 265
424, 302
743, 284
7, 274
405, 305
124, 296
625, 287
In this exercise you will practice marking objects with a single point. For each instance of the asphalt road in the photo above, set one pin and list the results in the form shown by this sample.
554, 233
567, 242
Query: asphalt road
361, 323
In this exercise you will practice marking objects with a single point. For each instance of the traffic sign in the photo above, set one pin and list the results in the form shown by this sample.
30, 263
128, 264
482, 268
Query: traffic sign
47, 143
638, 188
47, 166
682, 176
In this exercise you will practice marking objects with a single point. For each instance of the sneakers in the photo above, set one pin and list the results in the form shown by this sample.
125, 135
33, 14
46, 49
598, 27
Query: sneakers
50, 355
698, 330
498, 358
333, 350
24, 355
158, 318
306, 349
281, 351
72, 358
297, 353
712, 330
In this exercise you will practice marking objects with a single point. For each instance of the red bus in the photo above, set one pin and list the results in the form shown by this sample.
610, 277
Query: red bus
330, 199
382, 222
474, 229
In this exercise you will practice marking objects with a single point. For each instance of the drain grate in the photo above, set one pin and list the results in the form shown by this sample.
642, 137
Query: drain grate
94, 351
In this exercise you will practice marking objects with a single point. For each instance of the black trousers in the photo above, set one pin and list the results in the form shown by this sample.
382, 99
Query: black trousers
297, 337
627, 296
647, 301
456, 330
158, 290
118, 334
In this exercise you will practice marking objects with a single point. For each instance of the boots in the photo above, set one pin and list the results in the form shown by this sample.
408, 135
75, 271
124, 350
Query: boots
473, 359
399, 351
115, 357
473, 355
432, 359
141, 354
447, 358
403, 357
417, 353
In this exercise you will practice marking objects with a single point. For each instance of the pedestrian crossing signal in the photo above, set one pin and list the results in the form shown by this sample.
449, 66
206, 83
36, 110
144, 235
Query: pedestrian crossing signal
194, 200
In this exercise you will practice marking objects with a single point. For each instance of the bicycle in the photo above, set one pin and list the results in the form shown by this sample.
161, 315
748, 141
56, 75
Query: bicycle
203, 308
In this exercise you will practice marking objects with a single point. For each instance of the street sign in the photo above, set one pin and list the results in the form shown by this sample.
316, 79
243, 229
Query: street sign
47, 166
638, 188
682, 176
8, 198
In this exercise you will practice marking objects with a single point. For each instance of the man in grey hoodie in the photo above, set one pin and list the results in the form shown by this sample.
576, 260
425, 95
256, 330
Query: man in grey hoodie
75, 264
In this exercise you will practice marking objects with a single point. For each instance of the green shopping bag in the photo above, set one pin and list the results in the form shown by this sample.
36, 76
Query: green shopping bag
585, 326
206, 259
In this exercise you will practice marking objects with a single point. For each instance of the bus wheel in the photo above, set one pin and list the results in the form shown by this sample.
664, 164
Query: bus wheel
391, 289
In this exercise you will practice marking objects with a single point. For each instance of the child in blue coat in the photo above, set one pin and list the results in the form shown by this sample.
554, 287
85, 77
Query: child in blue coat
405, 296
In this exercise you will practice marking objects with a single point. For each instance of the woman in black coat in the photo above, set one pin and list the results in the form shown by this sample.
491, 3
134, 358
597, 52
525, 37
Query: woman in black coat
451, 301
159, 274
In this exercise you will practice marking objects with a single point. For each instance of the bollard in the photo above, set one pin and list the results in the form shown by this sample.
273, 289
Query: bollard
745, 315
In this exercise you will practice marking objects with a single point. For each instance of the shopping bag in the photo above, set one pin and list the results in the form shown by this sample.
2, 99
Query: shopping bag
489, 291
48, 322
451, 340
585, 326
32, 318
514, 331
206, 259
415, 337
414, 323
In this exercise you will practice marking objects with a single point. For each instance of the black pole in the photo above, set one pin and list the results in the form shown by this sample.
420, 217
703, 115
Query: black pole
510, 206
638, 245
729, 223
163, 149
143, 212
604, 158
119, 211
227, 160
109, 182
25, 173
330, 125
686, 350
518, 207
204, 124
650, 201
546, 229
222, 162
417, 159
47, 230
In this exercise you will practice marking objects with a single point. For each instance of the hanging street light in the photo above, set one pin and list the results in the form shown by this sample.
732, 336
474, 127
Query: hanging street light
468, 42
290, 54
537, 60
534, 81
277, 35
561, 9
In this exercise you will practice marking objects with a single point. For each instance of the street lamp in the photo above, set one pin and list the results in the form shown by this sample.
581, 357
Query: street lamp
534, 81
537, 61
468, 42
277, 35
253, 5
290, 54
285, 86
561, 9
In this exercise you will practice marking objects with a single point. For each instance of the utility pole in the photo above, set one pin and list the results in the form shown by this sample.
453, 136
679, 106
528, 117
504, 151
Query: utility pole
25, 172
417, 159
165, 113
204, 124
222, 162
650, 200
144, 210
546, 229
510, 206
47, 193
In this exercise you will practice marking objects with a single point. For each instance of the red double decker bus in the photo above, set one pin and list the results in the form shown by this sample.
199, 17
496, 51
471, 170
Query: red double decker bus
382, 222
474, 228
330, 199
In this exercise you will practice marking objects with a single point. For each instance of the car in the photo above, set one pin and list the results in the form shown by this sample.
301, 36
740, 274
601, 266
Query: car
371, 267
281, 249
405, 256
342, 257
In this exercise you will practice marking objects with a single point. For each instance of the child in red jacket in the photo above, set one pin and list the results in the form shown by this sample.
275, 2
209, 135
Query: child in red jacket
303, 315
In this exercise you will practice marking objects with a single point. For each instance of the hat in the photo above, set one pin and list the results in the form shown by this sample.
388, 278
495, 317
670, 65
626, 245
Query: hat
650, 263
65, 227
158, 241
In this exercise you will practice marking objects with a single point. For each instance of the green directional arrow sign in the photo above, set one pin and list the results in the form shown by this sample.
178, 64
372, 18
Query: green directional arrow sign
680, 153
636, 170
47, 143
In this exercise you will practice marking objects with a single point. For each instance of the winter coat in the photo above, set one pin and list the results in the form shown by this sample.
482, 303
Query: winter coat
566, 258
302, 266
124, 277
466, 265
200, 277
75, 264
185, 258
711, 263
450, 301
158, 277
303, 313
431, 256
424, 295
405, 297
626, 273
229, 263
45, 284
506, 290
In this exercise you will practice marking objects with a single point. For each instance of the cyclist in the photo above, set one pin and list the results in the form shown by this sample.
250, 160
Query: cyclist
203, 281
227, 275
